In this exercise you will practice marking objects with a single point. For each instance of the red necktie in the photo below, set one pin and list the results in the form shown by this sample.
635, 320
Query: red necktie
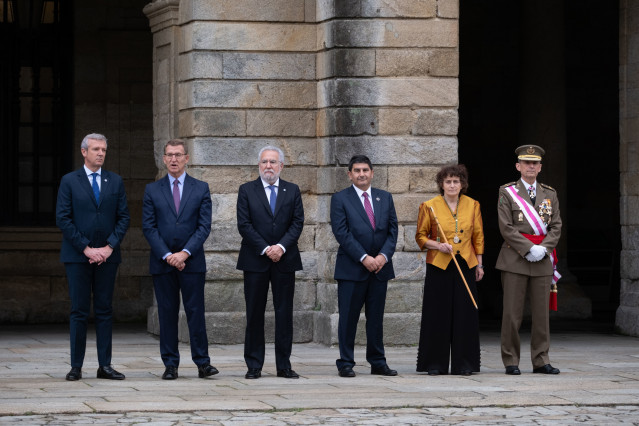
369, 209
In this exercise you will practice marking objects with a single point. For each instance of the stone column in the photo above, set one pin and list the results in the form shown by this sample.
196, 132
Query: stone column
387, 88
322, 80
627, 320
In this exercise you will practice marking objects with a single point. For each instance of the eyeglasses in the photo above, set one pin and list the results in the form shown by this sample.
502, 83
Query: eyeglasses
177, 156
272, 162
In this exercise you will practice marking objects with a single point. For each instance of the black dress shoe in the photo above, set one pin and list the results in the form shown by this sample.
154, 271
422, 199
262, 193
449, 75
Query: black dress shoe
383, 371
107, 372
74, 374
170, 373
465, 373
513, 370
206, 370
546, 369
288, 373
433, 372
253, 373
347, 372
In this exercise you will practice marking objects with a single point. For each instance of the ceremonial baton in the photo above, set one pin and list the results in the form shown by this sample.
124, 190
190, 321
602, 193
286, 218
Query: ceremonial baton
441, 231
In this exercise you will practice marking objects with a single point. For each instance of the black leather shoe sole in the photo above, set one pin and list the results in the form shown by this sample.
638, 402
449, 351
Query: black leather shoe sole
170, 374
74, 374
513, 370
253, 373
109, 374
288, 374
546, 369
346, 372
206, 371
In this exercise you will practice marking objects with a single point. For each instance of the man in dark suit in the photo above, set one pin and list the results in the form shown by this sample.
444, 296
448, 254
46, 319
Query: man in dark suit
92, 213
176, 220
364, 223
270, 217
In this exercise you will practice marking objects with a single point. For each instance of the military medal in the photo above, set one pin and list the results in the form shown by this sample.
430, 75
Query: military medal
521, 217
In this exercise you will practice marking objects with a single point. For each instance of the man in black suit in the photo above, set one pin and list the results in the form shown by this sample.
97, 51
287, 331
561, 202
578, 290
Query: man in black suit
270, 217
364, 223
176, 220
92, 213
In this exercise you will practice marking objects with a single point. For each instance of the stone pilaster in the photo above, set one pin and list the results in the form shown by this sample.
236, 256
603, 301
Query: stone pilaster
323, 80
627, 320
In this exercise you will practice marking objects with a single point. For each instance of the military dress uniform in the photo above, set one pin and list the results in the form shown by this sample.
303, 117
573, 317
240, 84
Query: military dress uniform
519, 274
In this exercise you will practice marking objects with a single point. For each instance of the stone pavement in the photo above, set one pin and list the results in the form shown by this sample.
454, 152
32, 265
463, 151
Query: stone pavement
599, 383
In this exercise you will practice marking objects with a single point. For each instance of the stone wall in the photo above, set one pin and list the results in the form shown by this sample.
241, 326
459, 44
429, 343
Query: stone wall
323, 80
627, 320
112, 95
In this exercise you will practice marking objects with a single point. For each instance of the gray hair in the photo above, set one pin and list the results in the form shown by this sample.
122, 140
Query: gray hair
94, 136
271, 148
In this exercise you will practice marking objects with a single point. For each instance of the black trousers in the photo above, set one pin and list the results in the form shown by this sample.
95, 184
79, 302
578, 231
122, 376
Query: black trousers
450, 322
256, 285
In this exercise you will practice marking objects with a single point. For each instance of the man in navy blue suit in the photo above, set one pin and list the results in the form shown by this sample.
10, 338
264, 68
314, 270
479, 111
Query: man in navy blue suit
176, 220
364, 223
270, 217
92, 213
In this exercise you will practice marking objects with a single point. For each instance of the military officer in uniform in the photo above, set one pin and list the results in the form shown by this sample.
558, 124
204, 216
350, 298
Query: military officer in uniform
530, 224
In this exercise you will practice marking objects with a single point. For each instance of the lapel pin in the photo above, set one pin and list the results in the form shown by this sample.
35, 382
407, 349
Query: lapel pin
377, 198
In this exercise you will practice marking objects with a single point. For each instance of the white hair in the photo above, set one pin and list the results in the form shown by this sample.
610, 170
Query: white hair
271, 148
94, 136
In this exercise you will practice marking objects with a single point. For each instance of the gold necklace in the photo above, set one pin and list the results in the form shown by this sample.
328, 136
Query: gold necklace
456, 239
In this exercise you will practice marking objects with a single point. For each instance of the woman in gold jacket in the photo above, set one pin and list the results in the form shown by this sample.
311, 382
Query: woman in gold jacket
450, 324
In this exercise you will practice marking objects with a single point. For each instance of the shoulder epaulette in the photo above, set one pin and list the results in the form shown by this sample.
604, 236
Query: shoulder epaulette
547, 186
508, 184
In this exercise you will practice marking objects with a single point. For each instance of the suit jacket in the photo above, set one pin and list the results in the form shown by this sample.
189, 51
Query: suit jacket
260, 228
512, 223
84, 222
356, 236
469, 230
168, 231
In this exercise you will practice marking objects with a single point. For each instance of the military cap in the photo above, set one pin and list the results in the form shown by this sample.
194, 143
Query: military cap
530, 152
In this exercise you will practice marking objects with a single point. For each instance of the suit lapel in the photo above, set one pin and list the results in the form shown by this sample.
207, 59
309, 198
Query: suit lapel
281, 194
106, 182
186, 192
358, 206
378, 206
84, 183
260, 193
165, 189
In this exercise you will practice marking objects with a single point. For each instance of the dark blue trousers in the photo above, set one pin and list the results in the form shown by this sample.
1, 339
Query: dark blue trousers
351, 296
167, 294
87, 280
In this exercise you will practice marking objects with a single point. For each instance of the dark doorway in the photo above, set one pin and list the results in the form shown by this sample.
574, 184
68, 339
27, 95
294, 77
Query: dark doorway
494, 57
35, 107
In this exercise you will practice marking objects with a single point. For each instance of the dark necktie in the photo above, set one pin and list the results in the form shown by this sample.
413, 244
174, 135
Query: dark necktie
176, 195
369, 209
273, 198
96, 187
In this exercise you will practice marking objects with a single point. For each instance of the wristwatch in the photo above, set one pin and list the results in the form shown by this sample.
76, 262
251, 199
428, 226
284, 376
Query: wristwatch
480, 266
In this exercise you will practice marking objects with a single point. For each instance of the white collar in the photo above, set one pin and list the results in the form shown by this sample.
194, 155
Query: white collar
266, 184
527, 185
89, 172
360, 192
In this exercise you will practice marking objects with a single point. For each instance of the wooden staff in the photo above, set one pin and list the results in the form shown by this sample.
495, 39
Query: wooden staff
441, 231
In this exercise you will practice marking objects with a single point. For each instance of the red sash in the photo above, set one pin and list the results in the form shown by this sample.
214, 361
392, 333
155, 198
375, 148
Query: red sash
537, 239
